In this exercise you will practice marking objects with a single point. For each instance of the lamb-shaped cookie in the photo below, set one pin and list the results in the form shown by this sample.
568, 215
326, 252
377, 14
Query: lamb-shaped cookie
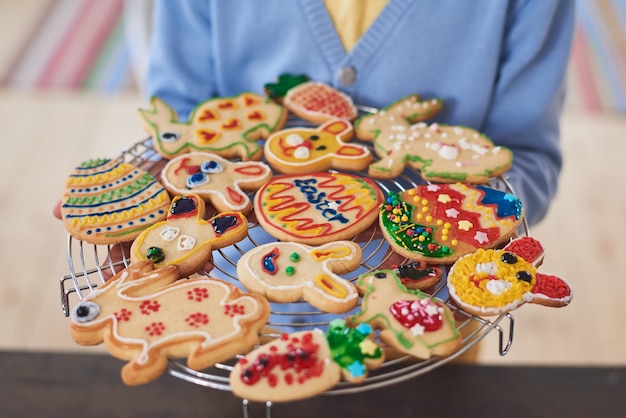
305, 150
493, 282
215, 179
147, 316
410, 321
185, 238
441, 153
306, 363
228, 126
286, 272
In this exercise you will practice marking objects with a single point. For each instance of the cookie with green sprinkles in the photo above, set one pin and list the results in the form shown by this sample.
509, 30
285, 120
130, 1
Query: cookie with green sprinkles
439, 223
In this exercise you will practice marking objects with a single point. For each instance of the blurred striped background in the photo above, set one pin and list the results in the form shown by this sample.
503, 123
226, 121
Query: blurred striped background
101, 45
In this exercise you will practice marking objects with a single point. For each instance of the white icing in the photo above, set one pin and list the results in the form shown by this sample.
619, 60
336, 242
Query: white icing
489, 268
186, 243
497, 287
294, 140
448, 152
169, 233
302, 153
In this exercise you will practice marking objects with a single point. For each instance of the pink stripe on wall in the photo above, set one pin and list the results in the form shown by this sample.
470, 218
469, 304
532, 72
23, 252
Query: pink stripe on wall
583, 74
81, 43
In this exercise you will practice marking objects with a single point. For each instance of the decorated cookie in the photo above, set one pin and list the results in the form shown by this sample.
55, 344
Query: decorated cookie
287, 272
108, 201
318, 102
317, 208
418, 275
227, 126
185, 238
215, 179
278, 90
409, 320
305, 150
306, 363
493, 282
146, 316
441, 153
438, 223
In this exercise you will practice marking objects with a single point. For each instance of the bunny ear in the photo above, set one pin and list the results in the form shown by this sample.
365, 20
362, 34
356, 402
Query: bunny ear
528, 248
551, 291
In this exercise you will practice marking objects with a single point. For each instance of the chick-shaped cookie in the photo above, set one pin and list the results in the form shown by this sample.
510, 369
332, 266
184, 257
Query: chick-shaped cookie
228, 126
287, 271
305, 150
441, 153
147, 316
492, 282
185, 238
306, 363
410, 321
215, 179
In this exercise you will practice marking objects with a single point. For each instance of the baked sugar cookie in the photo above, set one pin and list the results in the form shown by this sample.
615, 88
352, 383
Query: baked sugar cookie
306, 150
409, 320
493, 282
319, 102
286, 272
216, 180
185, 238
227, 126
306, 363
317, 208
147, 316
107, 201
438, 223
441, 153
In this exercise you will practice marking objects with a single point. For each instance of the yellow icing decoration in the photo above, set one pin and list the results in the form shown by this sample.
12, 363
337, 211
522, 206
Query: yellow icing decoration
465, 225
330, 286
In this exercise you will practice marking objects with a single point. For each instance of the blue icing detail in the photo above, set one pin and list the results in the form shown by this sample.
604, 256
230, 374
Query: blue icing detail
268, 262
356, 369
506, 203
364, 329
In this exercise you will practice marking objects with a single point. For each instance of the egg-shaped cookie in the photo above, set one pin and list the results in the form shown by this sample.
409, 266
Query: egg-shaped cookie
107, 201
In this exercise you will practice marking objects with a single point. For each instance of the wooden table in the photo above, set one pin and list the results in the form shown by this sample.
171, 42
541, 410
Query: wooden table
38, 384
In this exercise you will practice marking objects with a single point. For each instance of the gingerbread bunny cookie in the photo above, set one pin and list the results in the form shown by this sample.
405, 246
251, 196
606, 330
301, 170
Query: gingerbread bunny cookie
228, 126
305, 150
185, 238
409, 320
147, 316
286, 272
441, 153
215, 179
493, 282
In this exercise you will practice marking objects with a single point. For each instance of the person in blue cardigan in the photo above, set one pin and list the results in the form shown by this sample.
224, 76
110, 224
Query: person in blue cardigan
499, 66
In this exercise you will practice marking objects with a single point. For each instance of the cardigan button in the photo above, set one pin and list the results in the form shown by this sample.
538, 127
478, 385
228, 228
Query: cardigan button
347, 76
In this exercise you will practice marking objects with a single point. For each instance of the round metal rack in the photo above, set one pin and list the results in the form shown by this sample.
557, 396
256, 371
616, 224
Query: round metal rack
90, 265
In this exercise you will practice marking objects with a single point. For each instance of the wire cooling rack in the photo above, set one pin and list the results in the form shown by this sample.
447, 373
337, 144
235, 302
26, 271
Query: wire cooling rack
90, 265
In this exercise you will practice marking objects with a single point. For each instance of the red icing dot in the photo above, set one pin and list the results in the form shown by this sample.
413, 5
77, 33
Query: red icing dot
147, 307
198, 294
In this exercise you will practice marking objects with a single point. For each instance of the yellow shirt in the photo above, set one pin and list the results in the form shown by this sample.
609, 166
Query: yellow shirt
353, 17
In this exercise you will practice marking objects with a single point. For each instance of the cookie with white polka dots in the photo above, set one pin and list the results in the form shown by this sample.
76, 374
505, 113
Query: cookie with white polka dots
441, 153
